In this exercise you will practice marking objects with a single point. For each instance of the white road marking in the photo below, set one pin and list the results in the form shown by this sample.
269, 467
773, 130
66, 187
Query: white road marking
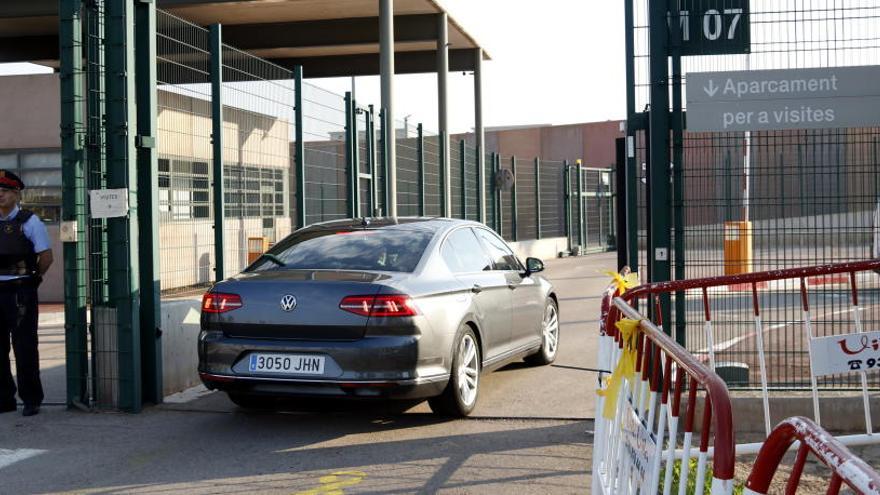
727, 344
10, 457
188, 395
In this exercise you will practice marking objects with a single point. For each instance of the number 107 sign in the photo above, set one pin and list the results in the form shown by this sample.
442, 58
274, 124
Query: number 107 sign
712, 27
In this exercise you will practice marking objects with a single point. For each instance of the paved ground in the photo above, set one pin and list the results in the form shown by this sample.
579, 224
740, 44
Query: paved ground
529, 433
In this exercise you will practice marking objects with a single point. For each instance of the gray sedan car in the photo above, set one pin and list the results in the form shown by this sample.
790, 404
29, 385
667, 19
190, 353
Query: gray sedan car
408, 308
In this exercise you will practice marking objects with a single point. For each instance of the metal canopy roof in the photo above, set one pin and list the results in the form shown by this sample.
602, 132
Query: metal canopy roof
328, 38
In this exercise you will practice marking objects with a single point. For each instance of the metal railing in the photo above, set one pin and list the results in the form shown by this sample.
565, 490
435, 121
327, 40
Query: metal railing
639, 448
760, 344
845, 467
649, 365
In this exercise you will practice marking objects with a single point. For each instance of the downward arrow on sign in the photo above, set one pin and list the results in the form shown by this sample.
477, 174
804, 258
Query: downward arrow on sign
712, 89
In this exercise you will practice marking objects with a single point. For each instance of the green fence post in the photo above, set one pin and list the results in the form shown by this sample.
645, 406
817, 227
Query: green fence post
481, 191
349, 156
513, 204
678, 180
73, 200
420, 151
300, 154
123, 312
494, 189
566, 181
383, 136
148, 202
462, 153
538, 196
660, 206
355, 161
217, 142
499, 214
580, 200
371, 157
445, 208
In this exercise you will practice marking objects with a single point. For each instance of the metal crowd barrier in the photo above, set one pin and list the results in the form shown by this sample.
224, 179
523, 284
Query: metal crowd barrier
636, 450
845, 467
629, 435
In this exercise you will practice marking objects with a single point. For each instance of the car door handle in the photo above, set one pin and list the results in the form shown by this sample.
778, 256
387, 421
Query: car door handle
512, 286
476, 289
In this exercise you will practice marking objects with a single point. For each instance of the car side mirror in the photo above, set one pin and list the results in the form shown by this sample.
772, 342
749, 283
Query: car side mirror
534, 265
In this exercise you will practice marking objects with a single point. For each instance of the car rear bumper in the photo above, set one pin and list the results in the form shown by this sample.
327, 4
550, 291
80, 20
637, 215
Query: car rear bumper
379, 366
297, 387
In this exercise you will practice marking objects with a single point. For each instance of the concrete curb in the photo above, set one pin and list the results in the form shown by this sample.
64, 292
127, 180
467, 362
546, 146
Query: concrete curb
53, 319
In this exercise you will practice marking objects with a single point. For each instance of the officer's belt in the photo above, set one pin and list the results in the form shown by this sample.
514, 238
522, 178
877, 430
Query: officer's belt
18, 283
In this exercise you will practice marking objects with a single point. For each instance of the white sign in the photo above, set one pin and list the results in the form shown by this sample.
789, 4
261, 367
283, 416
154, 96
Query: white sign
108, 203
639, 445
783, 99
850, 353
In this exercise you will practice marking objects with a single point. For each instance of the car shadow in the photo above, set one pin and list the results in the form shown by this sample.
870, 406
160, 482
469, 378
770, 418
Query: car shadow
180, 450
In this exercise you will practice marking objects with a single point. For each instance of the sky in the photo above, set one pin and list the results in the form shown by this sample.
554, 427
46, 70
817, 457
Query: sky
553, 62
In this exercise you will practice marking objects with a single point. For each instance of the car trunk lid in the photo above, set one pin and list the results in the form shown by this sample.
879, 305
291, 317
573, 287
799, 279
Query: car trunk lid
312, 313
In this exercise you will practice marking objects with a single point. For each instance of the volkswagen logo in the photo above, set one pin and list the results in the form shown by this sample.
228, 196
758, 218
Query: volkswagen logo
288, 303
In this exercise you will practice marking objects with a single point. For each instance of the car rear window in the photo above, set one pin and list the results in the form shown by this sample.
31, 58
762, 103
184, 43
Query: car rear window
391, 250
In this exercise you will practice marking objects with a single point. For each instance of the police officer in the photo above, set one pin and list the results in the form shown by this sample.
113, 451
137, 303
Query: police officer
24, 258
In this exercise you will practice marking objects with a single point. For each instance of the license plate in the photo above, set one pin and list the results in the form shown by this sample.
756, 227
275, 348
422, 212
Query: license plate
292, 364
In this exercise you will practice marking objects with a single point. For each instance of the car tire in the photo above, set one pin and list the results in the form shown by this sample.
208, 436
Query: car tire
549, 336
249, 401
460, 395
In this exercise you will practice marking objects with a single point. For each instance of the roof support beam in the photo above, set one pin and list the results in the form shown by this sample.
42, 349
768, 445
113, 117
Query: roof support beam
420, 62
386, 62
480, 136
443, 112
27, 48
331, 32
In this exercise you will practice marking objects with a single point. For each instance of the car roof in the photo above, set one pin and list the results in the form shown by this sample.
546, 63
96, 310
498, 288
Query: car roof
431, 224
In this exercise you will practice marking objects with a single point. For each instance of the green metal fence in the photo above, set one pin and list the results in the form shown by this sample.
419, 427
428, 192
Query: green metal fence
184, 123
224, 154
258, 161
805, 197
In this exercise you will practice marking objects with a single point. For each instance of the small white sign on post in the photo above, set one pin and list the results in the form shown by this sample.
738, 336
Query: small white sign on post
639, 445
851, 353
108, 203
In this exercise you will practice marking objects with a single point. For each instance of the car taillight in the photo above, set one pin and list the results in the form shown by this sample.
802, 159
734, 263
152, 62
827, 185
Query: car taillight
218, 302
379, 306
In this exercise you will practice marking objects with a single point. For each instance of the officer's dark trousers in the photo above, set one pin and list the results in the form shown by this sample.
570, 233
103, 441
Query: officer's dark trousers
18, 323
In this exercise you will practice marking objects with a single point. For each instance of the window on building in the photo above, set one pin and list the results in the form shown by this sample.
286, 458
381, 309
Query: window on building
254, 191
41, 173
184, 189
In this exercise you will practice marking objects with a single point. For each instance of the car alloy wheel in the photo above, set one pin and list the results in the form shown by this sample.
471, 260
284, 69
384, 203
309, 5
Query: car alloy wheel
468, 370
546, 354
551, 331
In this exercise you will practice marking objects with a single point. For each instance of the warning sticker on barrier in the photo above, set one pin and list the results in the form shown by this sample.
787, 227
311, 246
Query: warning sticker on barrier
639, 445
854, 352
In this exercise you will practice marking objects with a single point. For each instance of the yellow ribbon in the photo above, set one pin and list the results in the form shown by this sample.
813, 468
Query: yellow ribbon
625, 369
624, 283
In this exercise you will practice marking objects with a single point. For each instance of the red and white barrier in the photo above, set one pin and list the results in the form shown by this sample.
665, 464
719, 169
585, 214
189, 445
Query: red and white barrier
639, 408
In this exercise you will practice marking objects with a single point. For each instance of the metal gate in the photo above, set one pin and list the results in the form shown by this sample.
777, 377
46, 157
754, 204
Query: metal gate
747, 201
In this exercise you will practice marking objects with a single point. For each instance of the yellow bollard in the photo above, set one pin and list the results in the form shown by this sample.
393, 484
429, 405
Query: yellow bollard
737, 247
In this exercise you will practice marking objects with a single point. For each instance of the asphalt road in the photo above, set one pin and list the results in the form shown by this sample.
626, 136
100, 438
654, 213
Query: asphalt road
529, 433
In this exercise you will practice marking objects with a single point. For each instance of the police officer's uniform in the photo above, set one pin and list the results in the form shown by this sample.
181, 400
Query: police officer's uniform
22, 237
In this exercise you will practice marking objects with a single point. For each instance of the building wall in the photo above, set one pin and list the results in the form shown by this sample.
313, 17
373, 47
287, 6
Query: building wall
184, 124
592, 142
31, 111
